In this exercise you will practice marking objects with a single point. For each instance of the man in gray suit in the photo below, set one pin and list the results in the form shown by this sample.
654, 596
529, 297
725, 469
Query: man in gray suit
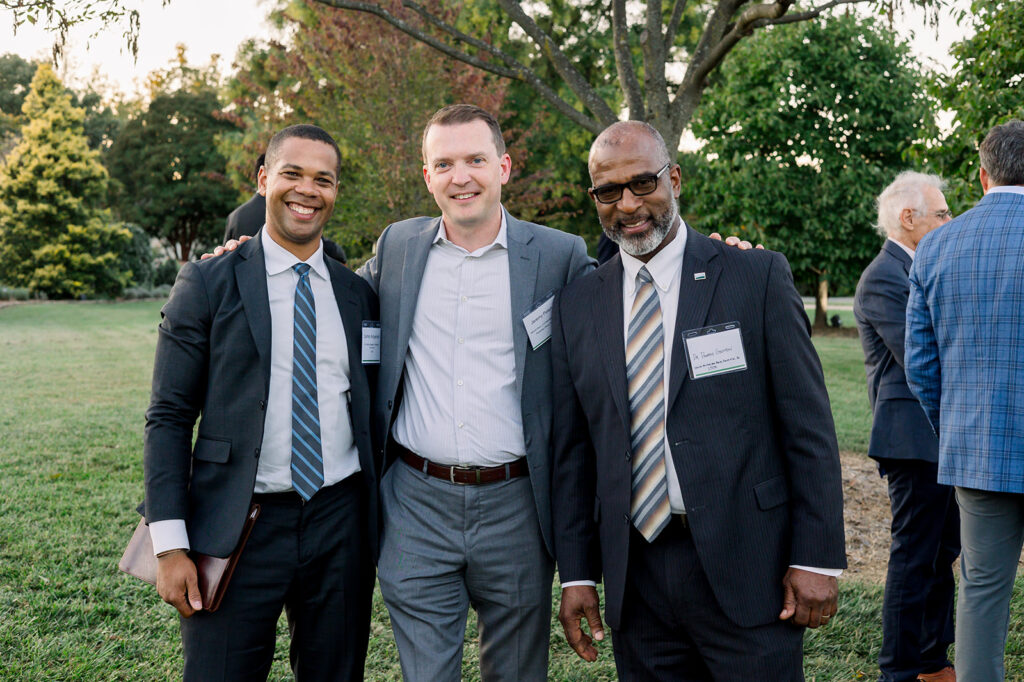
464, 408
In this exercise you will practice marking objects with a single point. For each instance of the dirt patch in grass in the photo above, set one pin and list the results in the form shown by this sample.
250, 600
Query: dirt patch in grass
867, 515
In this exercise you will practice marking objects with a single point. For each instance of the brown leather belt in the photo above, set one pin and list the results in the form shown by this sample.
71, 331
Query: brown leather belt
463, 475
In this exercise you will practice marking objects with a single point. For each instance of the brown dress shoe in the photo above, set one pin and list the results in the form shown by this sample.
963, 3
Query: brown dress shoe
947, 674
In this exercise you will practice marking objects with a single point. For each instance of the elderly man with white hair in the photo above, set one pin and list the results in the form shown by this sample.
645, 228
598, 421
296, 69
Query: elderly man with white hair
917, 616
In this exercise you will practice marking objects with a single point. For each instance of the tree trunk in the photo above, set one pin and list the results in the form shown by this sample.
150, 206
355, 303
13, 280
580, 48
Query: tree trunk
821, 303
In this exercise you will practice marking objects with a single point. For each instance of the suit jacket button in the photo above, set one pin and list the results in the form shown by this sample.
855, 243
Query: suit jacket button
263, 404
389, 404
629, 455
625, 519
257, 453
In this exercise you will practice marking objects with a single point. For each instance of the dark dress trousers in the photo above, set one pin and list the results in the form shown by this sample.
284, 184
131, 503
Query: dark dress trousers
315, 559
754, 451
917, 616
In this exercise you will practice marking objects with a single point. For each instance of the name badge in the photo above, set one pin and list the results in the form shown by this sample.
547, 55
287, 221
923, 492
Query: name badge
717, 349
371, 342
537, 321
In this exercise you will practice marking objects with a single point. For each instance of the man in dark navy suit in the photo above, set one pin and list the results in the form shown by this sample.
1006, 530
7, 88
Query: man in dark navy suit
696, 470
265, 344
917, 616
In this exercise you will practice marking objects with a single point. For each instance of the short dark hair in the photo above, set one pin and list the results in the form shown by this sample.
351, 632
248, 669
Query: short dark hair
1002, 153
304, 131
262, 159
454, 114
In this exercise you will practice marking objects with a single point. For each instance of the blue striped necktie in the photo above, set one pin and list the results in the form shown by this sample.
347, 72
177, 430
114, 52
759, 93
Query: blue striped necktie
645, 371
307, 451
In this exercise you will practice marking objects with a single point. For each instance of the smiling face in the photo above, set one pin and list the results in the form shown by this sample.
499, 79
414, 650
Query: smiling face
464, 172
641, 224
300, 186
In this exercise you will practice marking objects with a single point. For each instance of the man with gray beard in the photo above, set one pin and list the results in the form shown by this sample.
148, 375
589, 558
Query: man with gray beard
696, 469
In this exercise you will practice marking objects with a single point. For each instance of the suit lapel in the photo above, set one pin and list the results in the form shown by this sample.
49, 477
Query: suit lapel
251, 280
417, 249
608, 325
350, 310
899, 254
523, 260
694, 300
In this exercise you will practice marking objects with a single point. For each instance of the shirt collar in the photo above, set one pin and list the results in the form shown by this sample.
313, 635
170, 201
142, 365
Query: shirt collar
278, 259
910, 251
500, 240
665, 265
1009, 189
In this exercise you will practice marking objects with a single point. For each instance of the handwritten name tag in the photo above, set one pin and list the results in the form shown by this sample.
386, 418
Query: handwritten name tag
537, 321
717, 349
371, 342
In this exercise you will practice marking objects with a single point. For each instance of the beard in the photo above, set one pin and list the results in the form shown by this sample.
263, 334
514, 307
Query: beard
642, 244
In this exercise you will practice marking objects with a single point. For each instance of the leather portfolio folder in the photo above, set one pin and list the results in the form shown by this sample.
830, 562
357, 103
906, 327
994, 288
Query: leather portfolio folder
214, 572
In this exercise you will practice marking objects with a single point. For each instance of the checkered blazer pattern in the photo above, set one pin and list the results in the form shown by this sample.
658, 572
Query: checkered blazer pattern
964, 354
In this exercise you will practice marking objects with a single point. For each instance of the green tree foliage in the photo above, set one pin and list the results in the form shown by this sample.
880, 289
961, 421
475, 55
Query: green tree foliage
663, 53
55, 237
15, 78
373, 90
169, 169
985, 88
103, 113
804, 128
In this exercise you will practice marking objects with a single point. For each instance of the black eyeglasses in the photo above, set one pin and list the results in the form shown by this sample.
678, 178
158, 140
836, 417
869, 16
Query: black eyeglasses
640, 186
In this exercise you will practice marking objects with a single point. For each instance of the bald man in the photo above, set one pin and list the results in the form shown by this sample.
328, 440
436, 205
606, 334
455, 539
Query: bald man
696, 469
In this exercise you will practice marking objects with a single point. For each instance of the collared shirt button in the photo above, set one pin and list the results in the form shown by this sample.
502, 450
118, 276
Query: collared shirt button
459, 382
462, 340
461, 425
465, 298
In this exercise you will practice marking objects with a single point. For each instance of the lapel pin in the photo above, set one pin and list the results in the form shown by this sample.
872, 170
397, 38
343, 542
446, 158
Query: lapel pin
699, 276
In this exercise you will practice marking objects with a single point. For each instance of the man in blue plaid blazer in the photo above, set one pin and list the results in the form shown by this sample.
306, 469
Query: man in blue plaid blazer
965, 362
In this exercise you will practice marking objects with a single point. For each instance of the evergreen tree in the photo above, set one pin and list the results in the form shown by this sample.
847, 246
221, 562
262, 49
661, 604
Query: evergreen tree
55, 237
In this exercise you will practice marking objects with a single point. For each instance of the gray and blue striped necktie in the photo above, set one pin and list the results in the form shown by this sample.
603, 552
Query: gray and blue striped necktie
645, 371
307, 450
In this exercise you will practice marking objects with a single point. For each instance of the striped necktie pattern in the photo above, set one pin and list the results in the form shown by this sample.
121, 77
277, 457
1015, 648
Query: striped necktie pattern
307, 450
645, 371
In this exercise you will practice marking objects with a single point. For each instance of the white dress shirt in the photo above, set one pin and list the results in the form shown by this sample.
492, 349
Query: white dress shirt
460, 402
906, 249
341, 459
666, 270
1009, 189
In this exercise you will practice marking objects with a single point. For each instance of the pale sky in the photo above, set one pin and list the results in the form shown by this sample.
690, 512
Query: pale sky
210, 27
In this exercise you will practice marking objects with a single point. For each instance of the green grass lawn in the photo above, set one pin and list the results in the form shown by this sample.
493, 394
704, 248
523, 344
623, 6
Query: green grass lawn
75, 383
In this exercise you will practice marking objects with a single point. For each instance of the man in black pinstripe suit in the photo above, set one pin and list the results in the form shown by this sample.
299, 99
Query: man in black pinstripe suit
714, 565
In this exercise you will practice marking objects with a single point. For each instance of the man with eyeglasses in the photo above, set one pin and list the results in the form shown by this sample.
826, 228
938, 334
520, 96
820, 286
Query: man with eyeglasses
696, 469
917, 614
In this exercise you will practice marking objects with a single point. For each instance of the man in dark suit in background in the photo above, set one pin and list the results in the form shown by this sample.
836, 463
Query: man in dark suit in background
917, 616
710, 501
290, 432
248, 218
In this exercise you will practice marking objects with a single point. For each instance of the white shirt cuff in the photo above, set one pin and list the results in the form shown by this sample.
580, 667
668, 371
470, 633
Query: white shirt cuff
832, 572
167, 535
579, 583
